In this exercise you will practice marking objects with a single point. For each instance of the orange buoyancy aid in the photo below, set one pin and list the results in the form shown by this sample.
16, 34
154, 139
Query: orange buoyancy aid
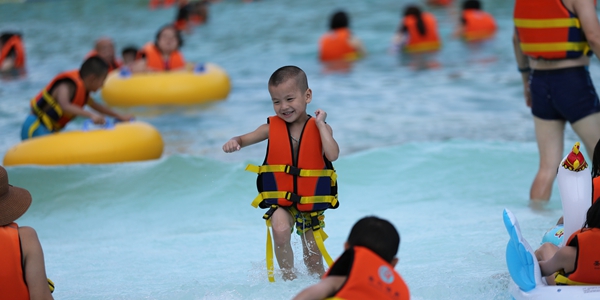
371, 277
596, 189
49, 111
13, 284
422, 43
335, 45
546, 29
14, 43
154, 58
587, 268
479, 25
112, 65
309, 183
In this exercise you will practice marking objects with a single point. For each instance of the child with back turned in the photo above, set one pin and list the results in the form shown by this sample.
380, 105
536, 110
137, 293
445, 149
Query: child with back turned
366, 268
297, 174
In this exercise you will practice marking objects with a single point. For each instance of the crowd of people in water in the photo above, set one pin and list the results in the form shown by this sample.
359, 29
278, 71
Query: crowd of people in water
298, 183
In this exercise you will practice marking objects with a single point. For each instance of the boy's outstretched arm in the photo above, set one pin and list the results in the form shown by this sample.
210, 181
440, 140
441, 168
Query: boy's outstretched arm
107, 111
324, 289
330, 146
62, 95
236, 143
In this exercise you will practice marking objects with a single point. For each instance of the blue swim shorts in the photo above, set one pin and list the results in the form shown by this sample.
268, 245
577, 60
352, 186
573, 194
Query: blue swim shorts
563, 94
32, 127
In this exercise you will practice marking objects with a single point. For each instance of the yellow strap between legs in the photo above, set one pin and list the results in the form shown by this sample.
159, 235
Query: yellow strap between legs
270, 268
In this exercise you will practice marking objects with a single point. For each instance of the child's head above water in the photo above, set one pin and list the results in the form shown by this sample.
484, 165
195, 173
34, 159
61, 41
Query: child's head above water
93, 71
376, 234
290, 94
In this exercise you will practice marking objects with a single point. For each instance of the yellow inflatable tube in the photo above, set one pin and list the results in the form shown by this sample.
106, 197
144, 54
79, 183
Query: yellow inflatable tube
167, 88
125, 142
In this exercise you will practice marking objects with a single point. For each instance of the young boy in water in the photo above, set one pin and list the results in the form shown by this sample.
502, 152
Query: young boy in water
366, 268
301, 133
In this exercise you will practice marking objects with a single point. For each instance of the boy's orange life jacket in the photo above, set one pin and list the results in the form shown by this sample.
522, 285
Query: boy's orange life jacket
371, 277
154, 58
335, 45
546, 29
112, 65
587, 268
47, 109
479, 25
14, 43
422, 43
309, 183
595, 188
13, 284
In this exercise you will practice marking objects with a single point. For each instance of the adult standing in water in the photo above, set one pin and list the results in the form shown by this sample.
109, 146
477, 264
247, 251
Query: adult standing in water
553, 61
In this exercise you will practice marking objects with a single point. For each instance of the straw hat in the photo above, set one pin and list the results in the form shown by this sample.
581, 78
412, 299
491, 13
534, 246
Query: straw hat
14, 201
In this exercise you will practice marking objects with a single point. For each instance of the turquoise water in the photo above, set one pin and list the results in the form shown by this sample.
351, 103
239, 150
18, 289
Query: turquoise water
439, 152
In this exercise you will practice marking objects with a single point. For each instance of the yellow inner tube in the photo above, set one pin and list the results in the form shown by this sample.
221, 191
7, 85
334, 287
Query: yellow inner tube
125, 142
167, 88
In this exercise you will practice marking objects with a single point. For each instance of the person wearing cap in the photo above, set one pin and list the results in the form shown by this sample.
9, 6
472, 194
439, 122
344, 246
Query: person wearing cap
23, 273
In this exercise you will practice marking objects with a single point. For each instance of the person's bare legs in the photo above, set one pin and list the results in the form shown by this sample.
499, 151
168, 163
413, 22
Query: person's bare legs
549, 135
545, 252
312, 255
282, 222
588, 130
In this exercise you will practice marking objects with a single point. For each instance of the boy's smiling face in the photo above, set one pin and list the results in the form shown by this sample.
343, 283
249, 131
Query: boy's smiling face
289, 102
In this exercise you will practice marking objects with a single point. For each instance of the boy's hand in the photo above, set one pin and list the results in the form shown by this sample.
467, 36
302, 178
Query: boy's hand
320, 116
98, 119
125, 118
231, 146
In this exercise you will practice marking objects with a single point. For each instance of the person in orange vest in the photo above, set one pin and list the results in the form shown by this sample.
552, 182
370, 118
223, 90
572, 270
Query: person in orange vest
339, 43
65, 97
297, 181
105, 49
12, 52
191, 14
576, 262
418, 32
366, 268
163, 54
475, 24
553, 62
23, 271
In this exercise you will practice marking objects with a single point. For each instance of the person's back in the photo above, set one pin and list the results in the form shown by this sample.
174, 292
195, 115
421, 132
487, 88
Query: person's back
338, 43
553, 60
476, 24
12, 51
421, 31
366, 268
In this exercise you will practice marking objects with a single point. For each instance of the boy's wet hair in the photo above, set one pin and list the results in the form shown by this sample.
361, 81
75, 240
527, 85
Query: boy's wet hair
376, 234
93, 66
596, 161
592, 219
129, 50
282, 74
471, 4
177, 34
339, 20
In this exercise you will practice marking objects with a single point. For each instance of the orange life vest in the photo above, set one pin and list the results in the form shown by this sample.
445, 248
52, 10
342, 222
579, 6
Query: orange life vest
154, 58
422, 43
166, 3
595, 188
47, 109
439, 2
14, 43
112, 65
479, 25
546, 29
587, 268
335, 45
12, 279
371, 277
309, 183
180, 24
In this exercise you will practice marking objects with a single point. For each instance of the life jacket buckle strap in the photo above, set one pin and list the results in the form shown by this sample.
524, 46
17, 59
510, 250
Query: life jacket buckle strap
314, 221
292, 170
293, 197
270, 212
